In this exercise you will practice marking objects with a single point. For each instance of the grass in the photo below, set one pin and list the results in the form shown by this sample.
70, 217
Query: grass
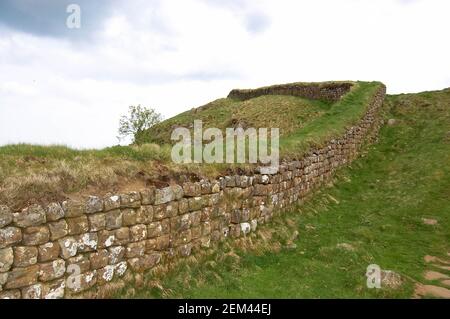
285, 112
30, 173
376, 206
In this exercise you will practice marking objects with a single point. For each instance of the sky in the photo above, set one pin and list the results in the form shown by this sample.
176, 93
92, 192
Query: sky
61, 85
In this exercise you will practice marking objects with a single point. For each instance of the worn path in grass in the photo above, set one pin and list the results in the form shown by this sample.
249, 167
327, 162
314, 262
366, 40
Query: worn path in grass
376, 209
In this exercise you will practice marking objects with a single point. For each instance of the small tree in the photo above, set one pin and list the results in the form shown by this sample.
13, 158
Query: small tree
137, 121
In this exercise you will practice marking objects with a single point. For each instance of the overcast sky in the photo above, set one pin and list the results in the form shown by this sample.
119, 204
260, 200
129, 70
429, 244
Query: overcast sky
70, 86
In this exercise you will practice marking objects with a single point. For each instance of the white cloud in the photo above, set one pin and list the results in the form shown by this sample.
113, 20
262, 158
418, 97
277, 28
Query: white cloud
174, 55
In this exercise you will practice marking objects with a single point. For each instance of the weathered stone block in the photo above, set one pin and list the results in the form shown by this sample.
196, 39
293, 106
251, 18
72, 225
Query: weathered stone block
99, 259
54, 212
97, 221
162, 242
195, 203
52, 270
6, 216
206, 214
145, 262
10, 294
164, 195
260, 190
106, 238
192, 189
183, 206
114, 219
58, 229
130, 200
245, 228
25, 256
134, 250
22, 277
171, 209
73, 208
32, 292
121, 268
148, 196
183, 237
129, 217
180, 223
206, 228
159, 212
36, 235
3, 279
54, 290
205, 187
93, 204
214, 199
138, 232
105, 274
215, 187
150, 245
6, 259
150, 260
87, 242
69, 247
111, 202
48, 252
9, 236
196, 232
177, 191
230, 181
30, 216
205, 242
122, 236
82, 282
78, 225
78, 265
154, 230
116, 254
144, 214
196, 218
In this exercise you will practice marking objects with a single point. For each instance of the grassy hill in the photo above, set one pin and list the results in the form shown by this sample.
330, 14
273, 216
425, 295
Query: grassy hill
372, 215
302, 122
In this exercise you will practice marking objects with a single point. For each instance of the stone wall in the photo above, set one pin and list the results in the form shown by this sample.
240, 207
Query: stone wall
331, 92
70, 247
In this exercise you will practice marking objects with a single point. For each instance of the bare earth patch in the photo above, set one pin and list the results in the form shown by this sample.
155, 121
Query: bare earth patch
431, 291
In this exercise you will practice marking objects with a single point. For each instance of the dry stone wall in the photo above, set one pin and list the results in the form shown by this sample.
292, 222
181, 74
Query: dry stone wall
331, 92
70, 247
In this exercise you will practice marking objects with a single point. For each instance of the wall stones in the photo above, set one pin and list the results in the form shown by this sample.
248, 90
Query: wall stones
93, 204
67, 248
6, 216
31, 216
6, 259
9, 236
322, 91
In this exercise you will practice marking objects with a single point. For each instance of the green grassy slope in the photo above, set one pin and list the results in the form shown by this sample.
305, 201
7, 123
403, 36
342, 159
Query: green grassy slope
376, 206
302, 122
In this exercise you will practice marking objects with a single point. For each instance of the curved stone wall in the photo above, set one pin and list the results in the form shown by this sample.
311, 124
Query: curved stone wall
70, 247
330, 92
